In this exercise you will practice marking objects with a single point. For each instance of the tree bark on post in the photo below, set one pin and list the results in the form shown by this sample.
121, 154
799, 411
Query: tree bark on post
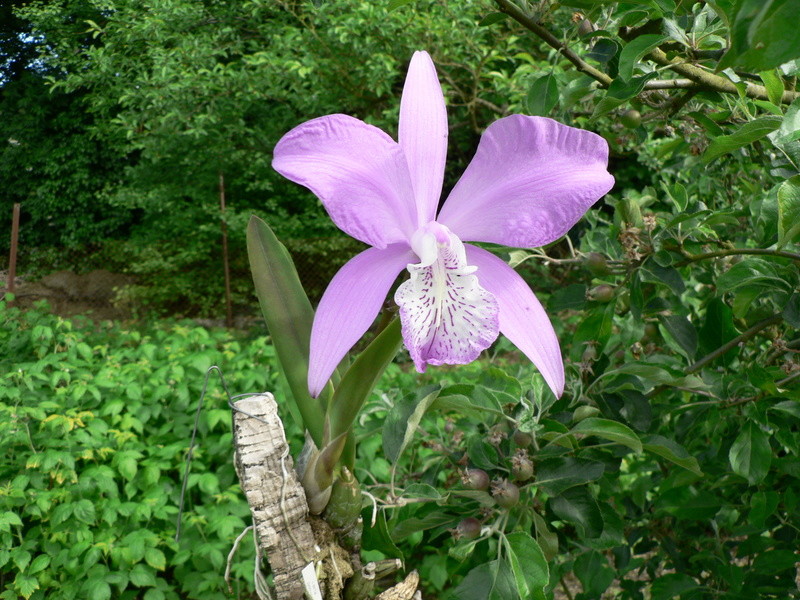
277, 501
302, 551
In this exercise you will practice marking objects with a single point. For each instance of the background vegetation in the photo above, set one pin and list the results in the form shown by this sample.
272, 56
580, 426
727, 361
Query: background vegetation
670, 466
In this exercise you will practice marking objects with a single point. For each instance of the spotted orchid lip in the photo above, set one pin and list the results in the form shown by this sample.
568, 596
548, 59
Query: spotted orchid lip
447, 317
530, 181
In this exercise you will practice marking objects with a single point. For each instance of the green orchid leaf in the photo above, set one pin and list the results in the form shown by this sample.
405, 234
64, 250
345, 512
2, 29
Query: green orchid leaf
327, 459
361, 377
288, 314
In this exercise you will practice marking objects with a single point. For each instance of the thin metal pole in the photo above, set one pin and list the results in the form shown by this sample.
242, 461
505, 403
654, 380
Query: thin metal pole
12, 259
225, 264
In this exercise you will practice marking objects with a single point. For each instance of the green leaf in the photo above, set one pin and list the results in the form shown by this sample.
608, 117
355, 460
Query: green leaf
97, 588
395, 4
577, 506
754, 273
763, 35
763, 505
542, 96
127, 465
790, 407
39, 563
774, 84
791, 312
288, 314
154, 594
412, 525
572, 297
547, 539
775, 561
361, 377
717, 330
604, 50
709, 125
489, 581
594, 573
789, 212
21, 558
750, 455
672, 451
635, 49
681, 330
619, 92
403, 420
492, 18
787, 137
670, 585
528, 565
377, 537
667, 276
26, 585
84, 511
155, 558
482, 454
142, 576
9, 518
554, 475
595, 328
609, 430
745, 135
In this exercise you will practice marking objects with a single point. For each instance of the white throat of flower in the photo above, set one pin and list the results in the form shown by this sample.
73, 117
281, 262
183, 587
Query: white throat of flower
447, 317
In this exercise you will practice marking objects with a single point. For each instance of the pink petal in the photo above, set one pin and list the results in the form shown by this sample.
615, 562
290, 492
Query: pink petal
357, 171
349, 306
423, 133
530, 181
522, 318
447, 317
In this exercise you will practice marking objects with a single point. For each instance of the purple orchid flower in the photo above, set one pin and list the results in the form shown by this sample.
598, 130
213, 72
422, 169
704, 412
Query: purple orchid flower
530, 181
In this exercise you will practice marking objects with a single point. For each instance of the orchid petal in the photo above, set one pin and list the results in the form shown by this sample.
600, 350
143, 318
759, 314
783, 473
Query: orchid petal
447, 317
349, 306
423, 133
522, 318
530, 181
358, 172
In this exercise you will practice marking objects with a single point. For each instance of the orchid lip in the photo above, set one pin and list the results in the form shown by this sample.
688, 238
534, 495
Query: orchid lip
447, 317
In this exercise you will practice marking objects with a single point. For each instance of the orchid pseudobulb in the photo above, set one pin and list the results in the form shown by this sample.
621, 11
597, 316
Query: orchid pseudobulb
530, 181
